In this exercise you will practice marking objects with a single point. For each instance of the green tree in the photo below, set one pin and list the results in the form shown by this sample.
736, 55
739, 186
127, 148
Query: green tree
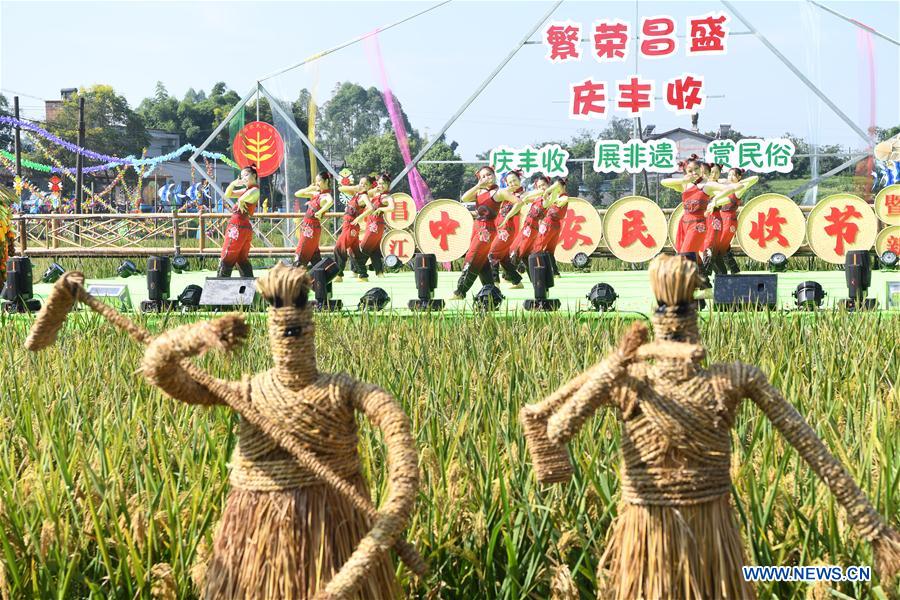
160, 111
111, 126
444, 181
7, 132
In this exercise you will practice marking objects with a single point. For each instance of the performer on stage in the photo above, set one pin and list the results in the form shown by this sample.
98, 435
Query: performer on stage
7, 236
377, 202
239, 234
551, 225
722, 221
695, 189
487, 207
320, 201
347, 245
511, 198
540, 199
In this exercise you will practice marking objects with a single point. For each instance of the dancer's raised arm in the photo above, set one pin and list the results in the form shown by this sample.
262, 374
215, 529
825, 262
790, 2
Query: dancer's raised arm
862, 515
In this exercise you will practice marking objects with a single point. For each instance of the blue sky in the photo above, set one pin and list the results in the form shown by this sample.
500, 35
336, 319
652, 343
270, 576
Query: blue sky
435, 61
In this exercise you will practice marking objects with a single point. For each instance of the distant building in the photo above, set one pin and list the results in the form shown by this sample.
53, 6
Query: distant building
687, 142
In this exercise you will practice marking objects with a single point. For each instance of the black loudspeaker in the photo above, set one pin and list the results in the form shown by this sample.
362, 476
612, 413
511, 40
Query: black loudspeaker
227, 293
19, 290
322, 275
858, 271
159, 278
425, 268
737, 292
540, 269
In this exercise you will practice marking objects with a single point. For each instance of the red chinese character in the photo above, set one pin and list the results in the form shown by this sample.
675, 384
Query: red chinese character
840, 228
892, 204
401, 211
707, 33
635, 95
563, 40
684, 93
610, 40
588, 97
443, 228
396, 248
659, 38
893, 244
634, 230
569, 235
768, 227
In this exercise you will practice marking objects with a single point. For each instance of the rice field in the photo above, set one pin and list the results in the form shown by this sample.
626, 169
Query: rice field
110, 490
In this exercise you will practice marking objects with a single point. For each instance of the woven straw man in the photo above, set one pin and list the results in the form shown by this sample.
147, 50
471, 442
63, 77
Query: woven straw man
297, 523
676, 535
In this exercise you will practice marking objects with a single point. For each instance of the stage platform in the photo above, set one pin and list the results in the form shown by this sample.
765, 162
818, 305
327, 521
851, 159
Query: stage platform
570, 288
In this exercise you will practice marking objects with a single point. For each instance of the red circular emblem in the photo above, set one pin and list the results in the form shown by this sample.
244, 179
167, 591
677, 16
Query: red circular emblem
260, 145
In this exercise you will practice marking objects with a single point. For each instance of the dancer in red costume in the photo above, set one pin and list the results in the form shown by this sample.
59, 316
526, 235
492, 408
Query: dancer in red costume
347, 245
498, 256
722, 221
551, 225
320, 200
690, 240
239, 234
486, 194
376, 204
540, 198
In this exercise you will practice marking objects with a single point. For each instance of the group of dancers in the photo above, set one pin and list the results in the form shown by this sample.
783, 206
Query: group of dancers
709, 221
499, 246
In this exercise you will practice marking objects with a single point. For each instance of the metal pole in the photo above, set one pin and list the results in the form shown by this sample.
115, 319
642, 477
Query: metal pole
799, 74
855, 22
79, 158
472, 98
18, 138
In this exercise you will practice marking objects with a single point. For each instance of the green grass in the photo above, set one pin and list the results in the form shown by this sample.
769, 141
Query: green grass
101, 476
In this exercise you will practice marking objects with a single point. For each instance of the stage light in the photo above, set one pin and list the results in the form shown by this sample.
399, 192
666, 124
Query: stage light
374, 299
179, 264
126, 269
541, 271
888, 259
809, 295
322, 274
190, 296
392, 263
159, 278
777, 262
425, 268
53, 272
488, 298
602, 297
19, 291
858, 271
581, 261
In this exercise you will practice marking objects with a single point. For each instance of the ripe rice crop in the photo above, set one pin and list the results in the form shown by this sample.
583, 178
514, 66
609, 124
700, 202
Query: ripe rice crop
109, 489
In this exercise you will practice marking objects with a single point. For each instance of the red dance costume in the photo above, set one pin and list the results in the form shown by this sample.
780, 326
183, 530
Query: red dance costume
238, 235
370, 243
691, 235
311, 230
550, 228
527, 236
348, 241
722, 226
483, 234
502, 244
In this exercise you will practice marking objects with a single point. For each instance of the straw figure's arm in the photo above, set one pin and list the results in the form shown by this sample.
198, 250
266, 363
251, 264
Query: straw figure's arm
862, 515
549, 424
394, 515
597, 390
165, 365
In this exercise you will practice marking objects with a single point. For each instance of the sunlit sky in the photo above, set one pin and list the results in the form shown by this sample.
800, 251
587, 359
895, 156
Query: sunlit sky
435, 61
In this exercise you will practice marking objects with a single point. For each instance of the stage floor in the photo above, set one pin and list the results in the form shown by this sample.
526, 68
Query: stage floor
571, 289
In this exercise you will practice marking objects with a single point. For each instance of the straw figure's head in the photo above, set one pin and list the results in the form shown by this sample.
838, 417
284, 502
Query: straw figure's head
673, 280
291, 330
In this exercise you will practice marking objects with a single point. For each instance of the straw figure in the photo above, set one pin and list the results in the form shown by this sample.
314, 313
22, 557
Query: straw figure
298, 522
676, 535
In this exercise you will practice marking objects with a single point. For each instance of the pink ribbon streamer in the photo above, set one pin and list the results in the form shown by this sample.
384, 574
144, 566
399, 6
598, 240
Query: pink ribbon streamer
417, 186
